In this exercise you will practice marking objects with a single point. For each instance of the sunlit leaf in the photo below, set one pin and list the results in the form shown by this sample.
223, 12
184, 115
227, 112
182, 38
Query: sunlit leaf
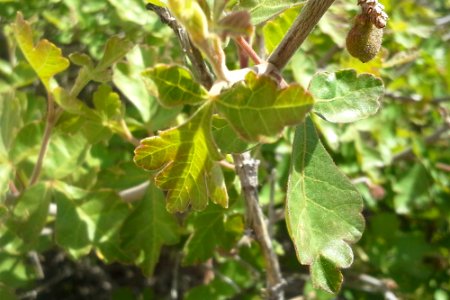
276, 29
147, 229
344, 97
258, 111
44, 57
263, 10
185, 161
323, 210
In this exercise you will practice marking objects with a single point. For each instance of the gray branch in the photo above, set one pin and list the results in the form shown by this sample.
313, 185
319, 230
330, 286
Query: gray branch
247, 170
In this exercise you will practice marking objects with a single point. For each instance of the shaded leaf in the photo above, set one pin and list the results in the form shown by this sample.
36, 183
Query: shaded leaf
115, 49
147, 229
176, 86
89, 220
236, 23
258, 111
184, 159
226, 138
344, 97
209, 230
323, 210
44, 57
30, 214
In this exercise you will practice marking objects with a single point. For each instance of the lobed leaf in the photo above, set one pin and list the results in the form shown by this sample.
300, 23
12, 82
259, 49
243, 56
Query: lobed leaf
323, 210
30, 214
44, 57
344, 97
184, 159
258, 111
147, 229
176, 86
89, 220
226, 138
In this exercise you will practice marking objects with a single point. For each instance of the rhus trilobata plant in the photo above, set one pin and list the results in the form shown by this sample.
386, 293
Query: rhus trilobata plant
205, 133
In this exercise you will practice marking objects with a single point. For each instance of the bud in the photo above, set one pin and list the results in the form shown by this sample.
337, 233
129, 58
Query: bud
364, 39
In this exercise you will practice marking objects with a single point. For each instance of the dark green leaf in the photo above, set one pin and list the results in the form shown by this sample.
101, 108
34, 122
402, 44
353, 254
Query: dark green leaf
89, 220
30, 214
147, 229
323, 210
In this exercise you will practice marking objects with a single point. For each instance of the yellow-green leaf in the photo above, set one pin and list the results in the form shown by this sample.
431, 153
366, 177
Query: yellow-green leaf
44, 57
185, 161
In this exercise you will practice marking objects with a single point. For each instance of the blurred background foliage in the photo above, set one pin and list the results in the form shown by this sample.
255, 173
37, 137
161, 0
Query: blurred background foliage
398, 159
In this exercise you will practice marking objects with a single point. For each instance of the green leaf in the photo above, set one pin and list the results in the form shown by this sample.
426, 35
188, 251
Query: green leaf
15, 271
126, 78
344, 97
323, 210
107, 103
115, 49
44, 57
176, 86
276, 29
147, 229
30, 214
263, 10
89, 220
209, 230
6, 293
185, 158
258, 111
226, 138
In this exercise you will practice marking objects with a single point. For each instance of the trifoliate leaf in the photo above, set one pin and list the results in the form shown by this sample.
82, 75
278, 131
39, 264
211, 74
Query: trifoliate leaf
44, 57
258, 110
344, 97
185, 158
89, 220
323, 210
30, 213
176, 86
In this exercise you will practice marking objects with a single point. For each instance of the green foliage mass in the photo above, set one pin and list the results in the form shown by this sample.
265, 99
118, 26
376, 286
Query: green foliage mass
138, 166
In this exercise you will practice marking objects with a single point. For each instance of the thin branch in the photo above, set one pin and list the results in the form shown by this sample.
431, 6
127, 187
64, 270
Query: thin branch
199, 67
247, 170
416, 98
309, 16
271, 208
245, 46
134, 193
49, 124
127, 133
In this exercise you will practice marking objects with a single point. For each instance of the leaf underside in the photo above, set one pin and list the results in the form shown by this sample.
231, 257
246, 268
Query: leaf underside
344, 97
323, 210
185, 161
258, 110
